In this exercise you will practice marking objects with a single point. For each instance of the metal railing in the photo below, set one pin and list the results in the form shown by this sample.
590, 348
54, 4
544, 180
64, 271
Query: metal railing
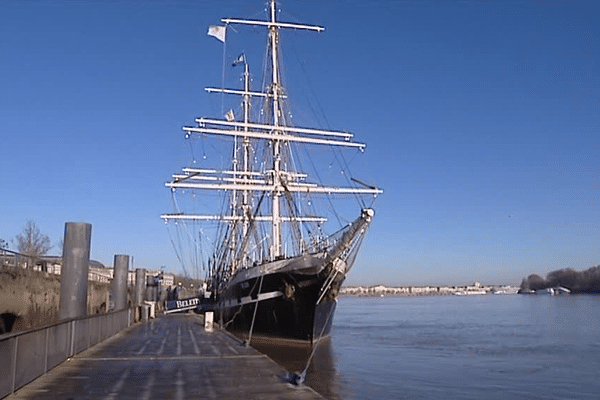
24, 356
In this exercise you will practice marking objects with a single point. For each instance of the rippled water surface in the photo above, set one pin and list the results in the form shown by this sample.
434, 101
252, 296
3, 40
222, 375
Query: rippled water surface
461, 347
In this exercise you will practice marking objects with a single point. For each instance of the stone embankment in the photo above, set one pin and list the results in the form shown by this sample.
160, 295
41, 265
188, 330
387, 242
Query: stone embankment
381, 290
29, 299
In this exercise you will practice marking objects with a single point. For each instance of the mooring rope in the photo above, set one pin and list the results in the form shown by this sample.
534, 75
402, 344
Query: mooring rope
299, 378
255, 308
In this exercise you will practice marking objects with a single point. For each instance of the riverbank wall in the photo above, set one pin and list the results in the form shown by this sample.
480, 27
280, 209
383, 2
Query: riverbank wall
30, 299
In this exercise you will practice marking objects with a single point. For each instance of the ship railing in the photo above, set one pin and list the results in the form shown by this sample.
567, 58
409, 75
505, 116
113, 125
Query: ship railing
330, 241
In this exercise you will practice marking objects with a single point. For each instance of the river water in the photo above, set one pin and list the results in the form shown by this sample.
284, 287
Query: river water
458, 347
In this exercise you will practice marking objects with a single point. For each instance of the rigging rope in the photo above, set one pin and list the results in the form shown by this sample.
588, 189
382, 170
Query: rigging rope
177, 252
223, 72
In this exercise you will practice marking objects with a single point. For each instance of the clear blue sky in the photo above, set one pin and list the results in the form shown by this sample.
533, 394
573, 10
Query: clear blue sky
482, 120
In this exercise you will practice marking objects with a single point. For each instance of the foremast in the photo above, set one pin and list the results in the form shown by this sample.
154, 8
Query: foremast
278, 181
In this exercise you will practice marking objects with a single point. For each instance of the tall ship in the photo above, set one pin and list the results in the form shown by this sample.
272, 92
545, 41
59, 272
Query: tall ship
256, 217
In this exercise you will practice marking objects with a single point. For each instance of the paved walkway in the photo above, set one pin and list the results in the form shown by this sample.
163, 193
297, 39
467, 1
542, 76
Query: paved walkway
170, 357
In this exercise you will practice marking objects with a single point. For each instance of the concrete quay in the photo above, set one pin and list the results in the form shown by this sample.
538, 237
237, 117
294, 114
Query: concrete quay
171, 357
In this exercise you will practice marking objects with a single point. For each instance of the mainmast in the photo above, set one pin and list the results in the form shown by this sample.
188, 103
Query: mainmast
273, 40
246, 149
274, 92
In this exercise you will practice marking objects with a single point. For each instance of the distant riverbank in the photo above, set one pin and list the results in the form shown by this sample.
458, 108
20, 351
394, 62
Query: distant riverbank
381, 290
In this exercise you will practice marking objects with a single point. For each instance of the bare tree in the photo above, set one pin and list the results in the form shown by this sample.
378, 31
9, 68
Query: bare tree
32, 242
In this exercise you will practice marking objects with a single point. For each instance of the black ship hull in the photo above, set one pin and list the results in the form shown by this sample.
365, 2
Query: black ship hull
291, 305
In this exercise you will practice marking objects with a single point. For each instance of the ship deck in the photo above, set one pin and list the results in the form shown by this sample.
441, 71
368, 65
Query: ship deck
171, 357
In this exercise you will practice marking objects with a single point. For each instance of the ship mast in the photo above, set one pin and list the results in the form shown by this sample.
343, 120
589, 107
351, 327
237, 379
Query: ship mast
243, 211
273, 40
274, 92
244, 180
246, 149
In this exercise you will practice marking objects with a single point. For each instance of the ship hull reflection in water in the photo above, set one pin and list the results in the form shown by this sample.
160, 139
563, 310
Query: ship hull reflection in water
322, 374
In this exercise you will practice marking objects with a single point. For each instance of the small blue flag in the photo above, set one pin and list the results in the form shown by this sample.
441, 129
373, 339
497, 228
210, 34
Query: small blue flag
241, 59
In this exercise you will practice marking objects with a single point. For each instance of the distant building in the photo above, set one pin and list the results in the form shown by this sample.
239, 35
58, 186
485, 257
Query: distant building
381, 290
97, 271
